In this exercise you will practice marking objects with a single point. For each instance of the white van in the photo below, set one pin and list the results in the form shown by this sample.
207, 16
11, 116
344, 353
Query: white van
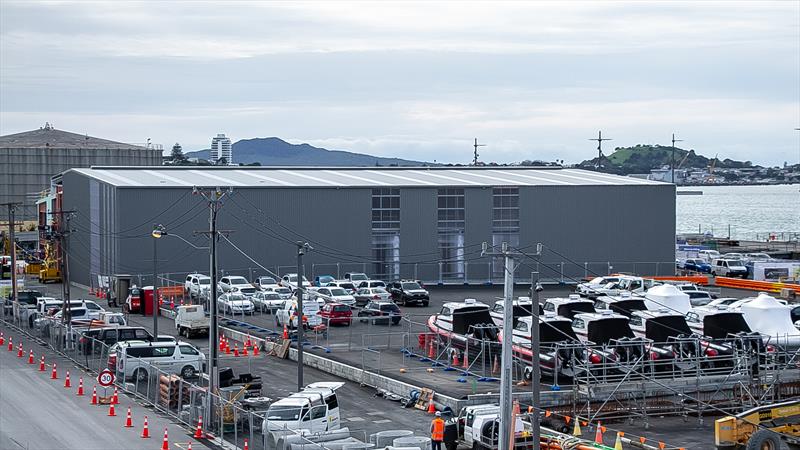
708, 255
315, 409
138, 360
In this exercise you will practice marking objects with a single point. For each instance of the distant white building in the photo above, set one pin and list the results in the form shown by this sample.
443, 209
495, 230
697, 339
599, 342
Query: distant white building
221, 148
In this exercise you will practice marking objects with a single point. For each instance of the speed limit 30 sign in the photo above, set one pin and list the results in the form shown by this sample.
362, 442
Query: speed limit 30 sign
105, 378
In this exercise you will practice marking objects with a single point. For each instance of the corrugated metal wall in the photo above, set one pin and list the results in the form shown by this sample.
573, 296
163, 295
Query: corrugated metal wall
630, 227
25, 171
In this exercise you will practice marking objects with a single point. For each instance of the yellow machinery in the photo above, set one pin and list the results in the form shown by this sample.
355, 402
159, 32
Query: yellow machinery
50, 271
768, 427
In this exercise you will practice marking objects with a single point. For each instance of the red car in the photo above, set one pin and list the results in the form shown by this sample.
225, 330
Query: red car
334, 313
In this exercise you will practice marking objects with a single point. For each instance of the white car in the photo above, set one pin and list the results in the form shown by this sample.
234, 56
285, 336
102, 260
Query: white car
344, 284
234, 283
262, 282
708, 255
371, 284
197, 285
288, 314
728, 268
284, 292
235, 303
589, 288
290, 281
356, 277
268, 301
336, 295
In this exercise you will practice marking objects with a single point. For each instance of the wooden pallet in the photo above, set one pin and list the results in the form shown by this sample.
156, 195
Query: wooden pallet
425, 397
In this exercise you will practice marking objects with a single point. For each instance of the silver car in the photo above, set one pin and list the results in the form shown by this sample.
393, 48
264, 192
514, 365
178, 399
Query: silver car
268, 301
366, 295
234, 303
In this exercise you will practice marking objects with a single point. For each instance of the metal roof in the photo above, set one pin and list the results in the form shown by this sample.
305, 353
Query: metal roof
50, 138
352, 177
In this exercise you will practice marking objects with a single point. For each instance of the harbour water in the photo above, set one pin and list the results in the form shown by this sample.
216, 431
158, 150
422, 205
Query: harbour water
751, 212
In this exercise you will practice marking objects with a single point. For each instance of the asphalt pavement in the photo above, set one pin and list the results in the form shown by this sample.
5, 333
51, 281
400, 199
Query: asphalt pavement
37, 412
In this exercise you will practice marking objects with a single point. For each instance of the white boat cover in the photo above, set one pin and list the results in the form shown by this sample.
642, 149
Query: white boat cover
669, 297
773, 319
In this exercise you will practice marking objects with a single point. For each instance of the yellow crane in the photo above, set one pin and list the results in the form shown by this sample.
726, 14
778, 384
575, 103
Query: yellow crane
768, 427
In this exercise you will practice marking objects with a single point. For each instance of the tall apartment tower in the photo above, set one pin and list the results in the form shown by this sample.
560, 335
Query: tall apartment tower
221, 148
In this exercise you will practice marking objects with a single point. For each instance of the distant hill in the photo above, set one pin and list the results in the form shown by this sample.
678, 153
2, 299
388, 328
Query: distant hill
642, 158
273, 151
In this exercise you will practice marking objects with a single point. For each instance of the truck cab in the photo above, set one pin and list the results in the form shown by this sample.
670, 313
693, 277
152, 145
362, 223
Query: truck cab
315, 409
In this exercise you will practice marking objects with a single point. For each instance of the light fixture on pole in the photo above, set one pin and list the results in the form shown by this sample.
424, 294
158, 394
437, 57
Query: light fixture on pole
158, 232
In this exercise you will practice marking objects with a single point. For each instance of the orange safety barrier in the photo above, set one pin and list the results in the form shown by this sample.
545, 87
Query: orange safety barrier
753, 285
696, 279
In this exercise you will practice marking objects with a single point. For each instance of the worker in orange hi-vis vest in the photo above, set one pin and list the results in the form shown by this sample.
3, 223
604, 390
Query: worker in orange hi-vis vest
437, 431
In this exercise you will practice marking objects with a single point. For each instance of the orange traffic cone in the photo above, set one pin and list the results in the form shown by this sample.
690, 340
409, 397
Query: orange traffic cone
465, 362
54, 374
255, 350
2, 338
41, 364
67, 383
431, 351
235, 349
111, 411
246, 447
198, 432
165, 445
285, 333
30, 357
495, 366
244, 350
80, 387
227, 349
129, 419
19, 350
145, 430
94, 395
247, 343
598, 435
222, 343
190, 446
431, 407
115, 397
10, 344
456, 362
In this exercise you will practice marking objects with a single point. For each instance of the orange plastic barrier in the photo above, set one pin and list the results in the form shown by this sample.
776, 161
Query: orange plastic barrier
696, 279
752, 285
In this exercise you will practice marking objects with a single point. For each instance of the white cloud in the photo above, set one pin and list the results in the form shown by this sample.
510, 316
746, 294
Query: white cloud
417, 80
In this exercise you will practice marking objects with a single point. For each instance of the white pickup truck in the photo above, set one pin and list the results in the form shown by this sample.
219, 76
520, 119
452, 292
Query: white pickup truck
191, 320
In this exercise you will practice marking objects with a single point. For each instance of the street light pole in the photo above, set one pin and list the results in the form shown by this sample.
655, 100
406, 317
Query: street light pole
157, 231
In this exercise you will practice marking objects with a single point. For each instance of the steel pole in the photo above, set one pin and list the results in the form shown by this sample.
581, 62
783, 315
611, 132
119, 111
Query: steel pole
300, 246
155, 284
212, 310
506, 427
13, 254
536, 372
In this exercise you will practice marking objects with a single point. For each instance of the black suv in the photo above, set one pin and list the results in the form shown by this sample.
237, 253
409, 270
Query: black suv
380, 313
408, 291
112, 335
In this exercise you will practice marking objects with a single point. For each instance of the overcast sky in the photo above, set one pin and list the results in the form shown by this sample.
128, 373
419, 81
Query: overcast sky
414, 80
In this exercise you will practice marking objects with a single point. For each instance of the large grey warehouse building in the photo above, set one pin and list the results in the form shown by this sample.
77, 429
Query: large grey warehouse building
28, 160
424, 223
